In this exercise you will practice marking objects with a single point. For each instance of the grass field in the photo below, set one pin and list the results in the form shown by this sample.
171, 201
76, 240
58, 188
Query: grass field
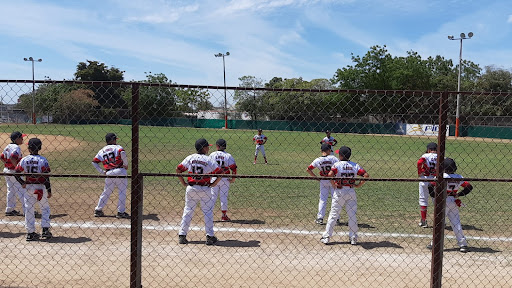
390, 205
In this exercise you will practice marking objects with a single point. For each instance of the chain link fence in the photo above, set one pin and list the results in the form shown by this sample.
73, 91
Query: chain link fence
269, 232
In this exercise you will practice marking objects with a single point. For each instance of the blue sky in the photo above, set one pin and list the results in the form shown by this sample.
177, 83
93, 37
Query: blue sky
283, 38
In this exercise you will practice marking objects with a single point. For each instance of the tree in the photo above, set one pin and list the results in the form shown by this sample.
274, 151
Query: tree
250, 101
76, 105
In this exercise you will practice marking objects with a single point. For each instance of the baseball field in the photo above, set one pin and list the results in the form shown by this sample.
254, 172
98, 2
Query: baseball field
272, 240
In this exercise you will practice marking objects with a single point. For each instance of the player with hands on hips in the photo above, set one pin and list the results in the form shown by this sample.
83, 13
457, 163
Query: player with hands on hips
426, 169
328, 139
115, 162
10, 157
260, 140
454, 182
198, 190
227, 164
324, 163
38, 189
344, 194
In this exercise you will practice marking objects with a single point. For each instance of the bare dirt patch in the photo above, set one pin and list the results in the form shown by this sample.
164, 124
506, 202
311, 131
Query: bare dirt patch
50, 142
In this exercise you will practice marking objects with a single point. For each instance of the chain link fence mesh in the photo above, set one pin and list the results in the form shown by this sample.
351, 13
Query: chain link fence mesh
272, 238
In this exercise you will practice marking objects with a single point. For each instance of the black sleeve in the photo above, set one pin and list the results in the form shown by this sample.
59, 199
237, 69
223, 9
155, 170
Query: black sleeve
18, 178
47, 185
465, 191
431, 190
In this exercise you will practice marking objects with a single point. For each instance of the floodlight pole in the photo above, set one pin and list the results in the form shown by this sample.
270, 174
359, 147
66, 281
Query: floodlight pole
457, 113
225, 88
31, 59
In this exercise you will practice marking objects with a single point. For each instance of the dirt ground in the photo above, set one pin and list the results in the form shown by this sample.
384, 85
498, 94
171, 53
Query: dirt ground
50, 142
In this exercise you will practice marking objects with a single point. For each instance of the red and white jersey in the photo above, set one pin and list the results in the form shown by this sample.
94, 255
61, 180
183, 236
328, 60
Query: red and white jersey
225, 161
260, 139
33, 164
199, 164
11, 156
347, 169
324, 164
329, 140
456, 181
427, 165
112, 157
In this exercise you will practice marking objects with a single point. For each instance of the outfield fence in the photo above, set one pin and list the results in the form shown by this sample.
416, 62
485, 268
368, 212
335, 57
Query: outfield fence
272, 238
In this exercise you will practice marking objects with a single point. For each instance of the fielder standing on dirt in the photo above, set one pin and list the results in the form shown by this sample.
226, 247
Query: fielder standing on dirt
426, 170
198, 190
115, 162
38, 189
227, 164
344, 194
11, 156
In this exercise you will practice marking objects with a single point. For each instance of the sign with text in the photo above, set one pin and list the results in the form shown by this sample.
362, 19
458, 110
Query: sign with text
424, 129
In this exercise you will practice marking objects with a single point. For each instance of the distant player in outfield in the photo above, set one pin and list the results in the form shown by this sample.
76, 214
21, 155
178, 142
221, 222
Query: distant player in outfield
227, 164
10, 157
452, 200
324, 163
115, 162
328, 139
198, 190
38, 189
260, 140
427, 170
344, 194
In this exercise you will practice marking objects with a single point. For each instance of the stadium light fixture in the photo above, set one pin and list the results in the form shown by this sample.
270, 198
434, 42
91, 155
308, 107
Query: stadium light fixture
31, 59
225, 88
457, 113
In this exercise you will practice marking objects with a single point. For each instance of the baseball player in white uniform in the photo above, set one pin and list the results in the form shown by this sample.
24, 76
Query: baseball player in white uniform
260, 140
198, 190
328, 139
324, 164
11, 156
427, 170
115, 162
452, 200
227, 164
344, 194
38, 189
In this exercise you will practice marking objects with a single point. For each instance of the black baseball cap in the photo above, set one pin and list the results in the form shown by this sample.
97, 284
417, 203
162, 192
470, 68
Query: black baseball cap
201, 143
110, 137
221, 143
259, 130
449, 165
432, 146
35, 144
16, 134
327, 131
325, 147
345, 151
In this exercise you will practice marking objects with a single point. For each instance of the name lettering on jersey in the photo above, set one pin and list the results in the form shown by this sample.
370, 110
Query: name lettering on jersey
32, 162
199, 162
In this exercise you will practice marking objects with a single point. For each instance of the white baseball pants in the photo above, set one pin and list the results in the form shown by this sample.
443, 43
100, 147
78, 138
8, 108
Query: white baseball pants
14, 190
423, 192
110, 185
30, 202
345, 196
326, 189
221, 191
452, 212
258, 149
193, 195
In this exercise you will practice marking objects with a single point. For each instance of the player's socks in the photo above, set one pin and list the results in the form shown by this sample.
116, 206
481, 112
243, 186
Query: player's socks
423, 212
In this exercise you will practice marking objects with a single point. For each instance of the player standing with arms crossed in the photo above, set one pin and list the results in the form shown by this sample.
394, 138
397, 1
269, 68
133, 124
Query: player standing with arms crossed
38, 189
114, 160
227, 164
198, 190
452, 202
11, 156
344, 194
260, 140
328, 139
427, 170
324, 164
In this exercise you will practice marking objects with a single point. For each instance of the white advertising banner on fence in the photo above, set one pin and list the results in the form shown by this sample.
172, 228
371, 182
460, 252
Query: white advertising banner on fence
425, 129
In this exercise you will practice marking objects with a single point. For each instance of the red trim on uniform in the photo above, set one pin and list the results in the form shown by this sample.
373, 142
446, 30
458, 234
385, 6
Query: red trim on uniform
422, 167
181, 168
311, 167
361, 172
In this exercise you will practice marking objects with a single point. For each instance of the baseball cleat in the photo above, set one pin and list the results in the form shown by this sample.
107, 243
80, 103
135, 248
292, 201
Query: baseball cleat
319, 221
429, 246
13, 213
32, 236
353, 240
325, 240
423, 224
254, 162
46, 233
464, 249
338, 222
122, 215
98, 213
225, 218
183, 239
210, 240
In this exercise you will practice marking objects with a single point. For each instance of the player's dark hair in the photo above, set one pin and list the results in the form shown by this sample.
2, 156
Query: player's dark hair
345, 152
34, 145
449, 165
